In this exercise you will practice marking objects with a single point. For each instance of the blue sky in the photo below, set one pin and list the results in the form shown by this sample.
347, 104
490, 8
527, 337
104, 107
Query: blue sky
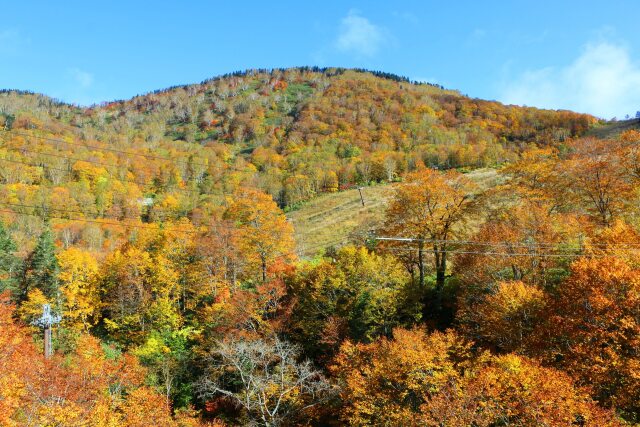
580, 55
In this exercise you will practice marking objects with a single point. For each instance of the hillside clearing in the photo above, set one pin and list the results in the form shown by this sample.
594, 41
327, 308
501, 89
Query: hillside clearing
613, 129
336, 219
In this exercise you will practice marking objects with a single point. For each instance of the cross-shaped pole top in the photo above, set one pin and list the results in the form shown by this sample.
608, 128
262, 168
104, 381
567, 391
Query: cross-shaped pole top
48, 318
46, 321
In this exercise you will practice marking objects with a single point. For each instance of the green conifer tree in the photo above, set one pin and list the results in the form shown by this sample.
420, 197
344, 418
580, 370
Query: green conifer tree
9, 263
41, 269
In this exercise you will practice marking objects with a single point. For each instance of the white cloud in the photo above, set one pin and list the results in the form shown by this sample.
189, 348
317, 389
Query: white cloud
82, 78
359, 36
604, 81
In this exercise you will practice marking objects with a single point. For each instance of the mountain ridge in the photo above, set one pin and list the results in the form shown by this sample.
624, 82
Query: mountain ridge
238, 73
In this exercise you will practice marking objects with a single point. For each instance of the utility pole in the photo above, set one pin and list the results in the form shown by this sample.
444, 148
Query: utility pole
361, 198
300, 243
46, 321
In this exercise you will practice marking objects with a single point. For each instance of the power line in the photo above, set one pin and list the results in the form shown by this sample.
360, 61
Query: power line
141, 183
325, 245
77, 159
94, 221
545, 253
464, 252
219, 178
113, 150
501, 244
99, 221
47, 208
387, 249
503, 254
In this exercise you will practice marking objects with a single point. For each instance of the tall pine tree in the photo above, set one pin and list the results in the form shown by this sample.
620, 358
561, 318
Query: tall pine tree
9, 263
41, 269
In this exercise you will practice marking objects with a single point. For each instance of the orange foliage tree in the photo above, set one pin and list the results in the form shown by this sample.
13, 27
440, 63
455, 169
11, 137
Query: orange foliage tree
596, 174
593, 330
88, 387
513, 390
434, 380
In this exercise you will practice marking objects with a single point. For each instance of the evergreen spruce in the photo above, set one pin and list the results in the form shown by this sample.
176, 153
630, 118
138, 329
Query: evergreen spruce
9, 263
41, 269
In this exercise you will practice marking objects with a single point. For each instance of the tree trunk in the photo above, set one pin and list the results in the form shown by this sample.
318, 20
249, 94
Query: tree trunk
441, 266
421, 264
440, 276
264, 270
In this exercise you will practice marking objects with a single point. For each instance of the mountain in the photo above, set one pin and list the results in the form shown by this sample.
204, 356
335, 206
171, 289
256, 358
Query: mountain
293, 133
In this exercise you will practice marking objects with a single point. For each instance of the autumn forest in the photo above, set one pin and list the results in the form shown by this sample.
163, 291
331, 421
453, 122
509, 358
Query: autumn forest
159, 232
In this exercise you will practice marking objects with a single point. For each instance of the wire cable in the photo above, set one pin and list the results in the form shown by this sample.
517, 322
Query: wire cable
501, 244
97, 221
141, 183
113, 150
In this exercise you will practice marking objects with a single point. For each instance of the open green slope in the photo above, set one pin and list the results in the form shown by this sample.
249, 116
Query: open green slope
340, 218
612, 129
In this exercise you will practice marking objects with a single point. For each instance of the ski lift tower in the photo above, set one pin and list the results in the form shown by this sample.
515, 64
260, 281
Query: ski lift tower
46, 321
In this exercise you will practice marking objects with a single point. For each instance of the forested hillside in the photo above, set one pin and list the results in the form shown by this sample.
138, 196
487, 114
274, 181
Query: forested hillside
291, 133
492, 278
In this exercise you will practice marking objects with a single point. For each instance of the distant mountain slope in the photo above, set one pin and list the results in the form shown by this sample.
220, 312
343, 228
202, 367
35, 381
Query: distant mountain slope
299, 132
294, 133
612, 129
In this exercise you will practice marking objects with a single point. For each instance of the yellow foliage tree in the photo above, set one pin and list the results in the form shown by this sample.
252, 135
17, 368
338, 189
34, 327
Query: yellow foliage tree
513, 390
78, 274
384, 383
435, 380
431, 207
504, 318
264, 234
